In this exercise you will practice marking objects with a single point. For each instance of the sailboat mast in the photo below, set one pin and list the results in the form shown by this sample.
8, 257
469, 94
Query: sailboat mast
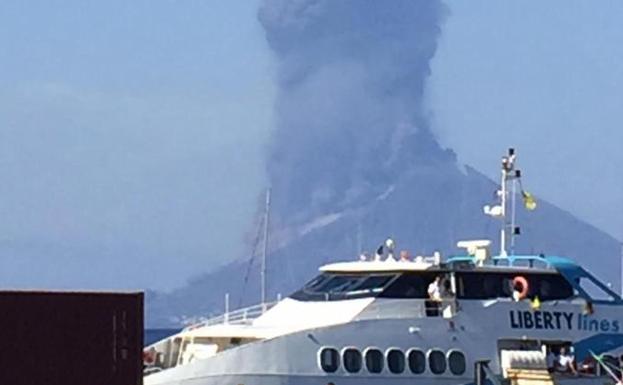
265, 246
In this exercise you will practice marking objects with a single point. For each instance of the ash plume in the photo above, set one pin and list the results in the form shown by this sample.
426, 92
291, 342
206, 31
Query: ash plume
349, 114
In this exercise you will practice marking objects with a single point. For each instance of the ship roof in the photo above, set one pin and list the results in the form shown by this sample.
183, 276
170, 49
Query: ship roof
524, 263
375, 266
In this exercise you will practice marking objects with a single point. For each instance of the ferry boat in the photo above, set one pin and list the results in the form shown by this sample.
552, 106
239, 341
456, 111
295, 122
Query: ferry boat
395, 319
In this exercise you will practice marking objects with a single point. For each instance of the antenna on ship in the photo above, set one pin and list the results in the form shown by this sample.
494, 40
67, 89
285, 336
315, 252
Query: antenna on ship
511, 177
265, 249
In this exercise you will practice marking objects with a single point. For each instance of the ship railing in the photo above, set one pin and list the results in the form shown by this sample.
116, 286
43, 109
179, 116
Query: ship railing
242, 316
446, 308
514, 260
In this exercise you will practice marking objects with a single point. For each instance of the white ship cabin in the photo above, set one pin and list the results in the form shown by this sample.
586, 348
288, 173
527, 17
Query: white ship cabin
376, 289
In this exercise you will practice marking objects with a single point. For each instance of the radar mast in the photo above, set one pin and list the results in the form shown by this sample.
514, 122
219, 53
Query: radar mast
510, 179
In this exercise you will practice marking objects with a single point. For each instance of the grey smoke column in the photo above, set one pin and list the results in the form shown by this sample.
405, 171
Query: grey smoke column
349, 113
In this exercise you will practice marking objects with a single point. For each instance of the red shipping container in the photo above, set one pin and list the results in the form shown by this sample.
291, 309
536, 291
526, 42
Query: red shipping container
67, 338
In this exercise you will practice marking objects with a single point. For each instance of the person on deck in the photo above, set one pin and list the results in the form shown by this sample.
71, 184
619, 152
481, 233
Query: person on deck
566, 362
448, 298
434, 289
447, 293
433, 304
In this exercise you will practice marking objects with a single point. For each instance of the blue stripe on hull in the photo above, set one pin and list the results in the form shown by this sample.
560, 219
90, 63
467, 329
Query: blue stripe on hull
599, 343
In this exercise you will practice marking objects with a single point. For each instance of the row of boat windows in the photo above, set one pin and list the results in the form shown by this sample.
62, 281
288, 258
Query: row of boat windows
374, 361
469, 285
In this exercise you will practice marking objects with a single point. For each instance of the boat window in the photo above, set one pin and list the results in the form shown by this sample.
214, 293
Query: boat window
373, 284
417, 361
317, 282
594, 291
352, 360
410, 285
549, 287
339, 284
330, 286
329, 360
396, 361
494, 286
374, 361
456, 362
489, 285
437, 361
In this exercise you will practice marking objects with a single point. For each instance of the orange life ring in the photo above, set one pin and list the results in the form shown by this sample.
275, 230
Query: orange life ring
523, 282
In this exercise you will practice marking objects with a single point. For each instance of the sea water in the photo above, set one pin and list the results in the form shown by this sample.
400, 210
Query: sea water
154, 335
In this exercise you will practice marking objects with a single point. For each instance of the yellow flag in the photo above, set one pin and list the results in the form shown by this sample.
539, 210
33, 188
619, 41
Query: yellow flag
528, 200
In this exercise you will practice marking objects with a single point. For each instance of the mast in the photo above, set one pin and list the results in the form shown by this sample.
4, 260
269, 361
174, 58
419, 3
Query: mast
508, 174
503, 204
265, 248
511, 179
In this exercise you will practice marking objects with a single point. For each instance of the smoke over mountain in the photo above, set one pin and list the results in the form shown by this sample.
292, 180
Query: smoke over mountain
349, 113
353, 160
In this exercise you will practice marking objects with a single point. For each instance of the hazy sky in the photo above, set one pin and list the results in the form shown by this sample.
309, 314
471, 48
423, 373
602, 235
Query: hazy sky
131, 139
132, 133
547, 78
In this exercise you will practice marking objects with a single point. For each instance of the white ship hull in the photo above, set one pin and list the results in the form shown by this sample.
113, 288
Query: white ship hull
475, 331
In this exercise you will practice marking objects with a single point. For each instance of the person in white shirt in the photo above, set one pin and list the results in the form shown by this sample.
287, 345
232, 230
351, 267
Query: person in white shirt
566, 361
434, 290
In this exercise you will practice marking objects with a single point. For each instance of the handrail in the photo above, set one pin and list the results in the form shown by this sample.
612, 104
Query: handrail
242, 316
549, 261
